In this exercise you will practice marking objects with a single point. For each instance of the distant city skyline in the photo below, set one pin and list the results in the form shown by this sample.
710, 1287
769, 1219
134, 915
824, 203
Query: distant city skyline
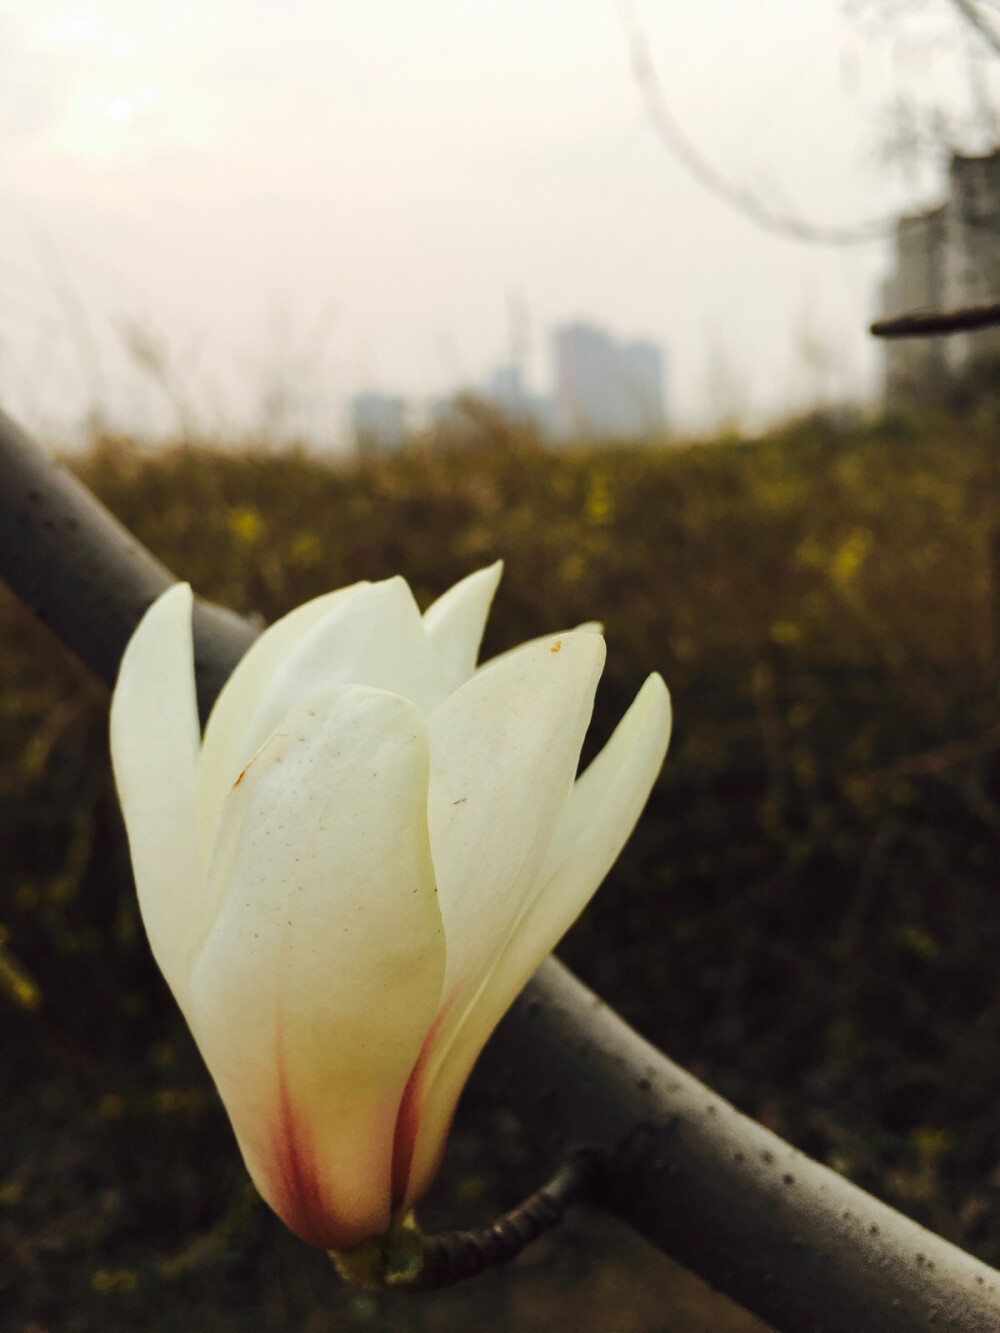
599, 385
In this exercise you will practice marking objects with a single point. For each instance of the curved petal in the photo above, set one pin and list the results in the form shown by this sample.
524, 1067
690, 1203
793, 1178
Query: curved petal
376, 637
586, 627
321, 971
504, 750
601, 813
455, 622
223, 746
608, 797
154, 750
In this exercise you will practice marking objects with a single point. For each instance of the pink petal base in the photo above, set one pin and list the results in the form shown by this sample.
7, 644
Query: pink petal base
296, 1190
408, 1119
298, 1196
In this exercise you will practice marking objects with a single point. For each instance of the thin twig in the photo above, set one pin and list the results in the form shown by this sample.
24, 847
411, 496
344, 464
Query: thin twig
923, 323
972, 15
941, 759
744, 201
453, 1256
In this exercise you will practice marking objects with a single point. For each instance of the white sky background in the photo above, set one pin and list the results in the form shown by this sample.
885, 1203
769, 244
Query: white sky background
290, 203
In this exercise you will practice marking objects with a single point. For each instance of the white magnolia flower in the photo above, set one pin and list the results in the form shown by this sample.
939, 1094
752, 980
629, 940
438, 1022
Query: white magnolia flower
348, 881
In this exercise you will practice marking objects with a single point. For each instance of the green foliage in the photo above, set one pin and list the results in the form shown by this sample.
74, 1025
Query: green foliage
807, 917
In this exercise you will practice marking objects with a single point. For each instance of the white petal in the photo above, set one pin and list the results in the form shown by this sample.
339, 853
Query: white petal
322, 971
608, 797
154, 749
587, 627
455, 622
599, 817
504, 749
223, 752
376, 637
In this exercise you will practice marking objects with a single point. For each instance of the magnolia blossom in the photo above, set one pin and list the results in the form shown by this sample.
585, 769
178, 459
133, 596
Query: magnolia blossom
350, 878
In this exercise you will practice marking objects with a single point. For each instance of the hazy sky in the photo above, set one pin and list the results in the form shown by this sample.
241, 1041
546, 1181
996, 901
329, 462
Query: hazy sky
235, 211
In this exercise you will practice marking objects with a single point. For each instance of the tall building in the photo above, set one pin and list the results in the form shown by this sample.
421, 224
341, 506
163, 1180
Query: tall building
606, 387
378, 422
945, 257
504, 386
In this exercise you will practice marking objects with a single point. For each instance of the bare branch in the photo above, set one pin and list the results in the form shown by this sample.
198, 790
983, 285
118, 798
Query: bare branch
971, 13
924, 323
696, 165
794, 1242
454, 1256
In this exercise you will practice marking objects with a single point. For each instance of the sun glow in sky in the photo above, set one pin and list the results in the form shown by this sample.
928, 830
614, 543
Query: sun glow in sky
104, 77
229, 213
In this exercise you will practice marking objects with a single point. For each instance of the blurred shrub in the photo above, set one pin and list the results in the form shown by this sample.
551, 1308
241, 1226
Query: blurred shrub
808, 915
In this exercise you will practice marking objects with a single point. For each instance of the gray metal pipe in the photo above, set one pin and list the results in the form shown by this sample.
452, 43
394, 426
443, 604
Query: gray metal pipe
85, 576
785, 1237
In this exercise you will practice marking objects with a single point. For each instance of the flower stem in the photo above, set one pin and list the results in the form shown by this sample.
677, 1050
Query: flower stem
406, 1260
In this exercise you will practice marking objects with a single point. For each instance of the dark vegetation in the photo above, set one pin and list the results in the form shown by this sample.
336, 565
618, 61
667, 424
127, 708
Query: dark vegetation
808, 916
